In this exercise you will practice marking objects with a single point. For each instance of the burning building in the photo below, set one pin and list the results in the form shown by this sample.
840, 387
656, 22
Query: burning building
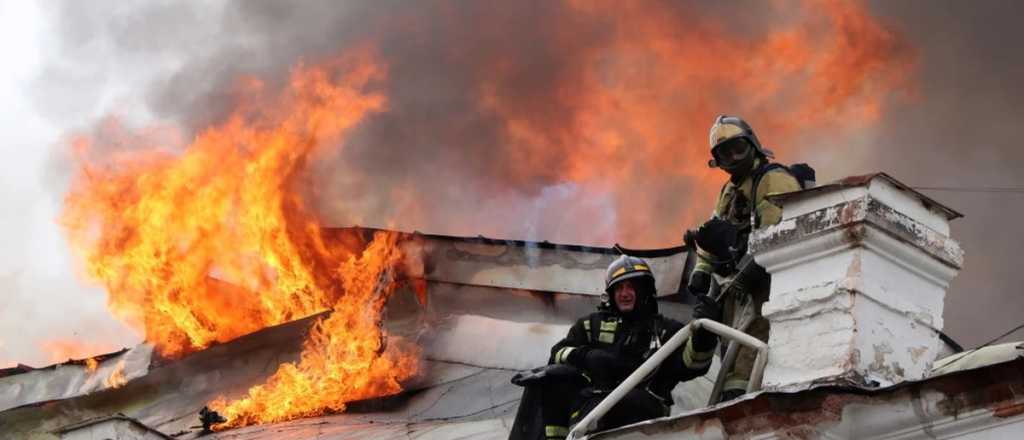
862, 263
213, 237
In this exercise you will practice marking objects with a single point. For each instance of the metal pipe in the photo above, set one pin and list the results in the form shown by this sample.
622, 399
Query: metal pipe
730, 333
757, 373
590, 421
731, 351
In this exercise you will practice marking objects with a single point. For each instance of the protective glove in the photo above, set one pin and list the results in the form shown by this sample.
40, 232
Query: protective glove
718, 237
605, 367
700, 283
706, 308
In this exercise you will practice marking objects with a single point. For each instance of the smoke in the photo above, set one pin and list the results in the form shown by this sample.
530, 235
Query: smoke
39, 297
580, 122
962, 130
490, 107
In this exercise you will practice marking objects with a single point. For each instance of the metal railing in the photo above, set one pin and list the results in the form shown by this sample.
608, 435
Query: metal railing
589, 422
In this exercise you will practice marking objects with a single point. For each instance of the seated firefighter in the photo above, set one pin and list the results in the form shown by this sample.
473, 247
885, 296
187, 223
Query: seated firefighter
603, 349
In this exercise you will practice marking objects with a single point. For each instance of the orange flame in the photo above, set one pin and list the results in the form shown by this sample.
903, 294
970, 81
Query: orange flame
116, 378
154, 227
345, 357
91, 365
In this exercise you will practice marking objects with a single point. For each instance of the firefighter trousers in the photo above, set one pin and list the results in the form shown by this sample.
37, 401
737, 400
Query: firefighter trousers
739, 375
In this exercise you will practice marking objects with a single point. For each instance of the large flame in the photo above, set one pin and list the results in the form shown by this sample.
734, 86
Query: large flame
156, 227
345, 358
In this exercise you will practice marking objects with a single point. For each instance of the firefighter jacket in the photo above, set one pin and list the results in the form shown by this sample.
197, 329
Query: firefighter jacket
737, 205
633, 340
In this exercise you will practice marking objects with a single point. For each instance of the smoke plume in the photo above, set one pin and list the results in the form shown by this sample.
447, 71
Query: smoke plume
580, 122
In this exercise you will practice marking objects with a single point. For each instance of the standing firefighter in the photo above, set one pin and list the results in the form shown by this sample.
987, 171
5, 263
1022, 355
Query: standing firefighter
722, 241
603, 349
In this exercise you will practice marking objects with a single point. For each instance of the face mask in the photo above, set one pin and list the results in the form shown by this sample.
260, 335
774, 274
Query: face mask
735, 156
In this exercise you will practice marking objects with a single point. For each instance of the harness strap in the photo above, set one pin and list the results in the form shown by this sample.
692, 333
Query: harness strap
755, 219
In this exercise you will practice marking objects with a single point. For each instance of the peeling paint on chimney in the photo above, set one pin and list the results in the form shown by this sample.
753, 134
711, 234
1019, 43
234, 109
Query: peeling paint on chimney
859, 275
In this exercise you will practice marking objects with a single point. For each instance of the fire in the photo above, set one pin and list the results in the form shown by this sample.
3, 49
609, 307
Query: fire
156, 226
91, 365
116, 378
345, 357
205, 240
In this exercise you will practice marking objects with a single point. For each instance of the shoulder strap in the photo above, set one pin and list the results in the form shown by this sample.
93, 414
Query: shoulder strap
755, 220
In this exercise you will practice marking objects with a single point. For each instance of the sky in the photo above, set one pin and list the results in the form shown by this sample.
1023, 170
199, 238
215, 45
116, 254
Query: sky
42, 301
71, 65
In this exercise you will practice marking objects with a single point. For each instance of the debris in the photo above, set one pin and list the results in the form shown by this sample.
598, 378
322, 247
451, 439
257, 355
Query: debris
208, 418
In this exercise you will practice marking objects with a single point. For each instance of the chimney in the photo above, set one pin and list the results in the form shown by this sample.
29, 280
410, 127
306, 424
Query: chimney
859, 270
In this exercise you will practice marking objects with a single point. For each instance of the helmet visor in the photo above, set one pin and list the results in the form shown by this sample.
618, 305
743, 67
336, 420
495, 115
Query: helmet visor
731, 152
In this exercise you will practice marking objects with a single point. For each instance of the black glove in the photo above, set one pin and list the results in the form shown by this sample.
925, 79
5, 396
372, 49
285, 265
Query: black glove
718, 237
706, 308
700, 283
604, 366
549, 374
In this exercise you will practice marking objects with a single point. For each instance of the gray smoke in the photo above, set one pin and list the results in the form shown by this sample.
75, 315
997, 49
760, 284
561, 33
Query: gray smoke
961, 131
169, 61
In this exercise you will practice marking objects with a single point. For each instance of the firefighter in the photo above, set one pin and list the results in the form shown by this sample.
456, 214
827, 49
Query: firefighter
605, 347
721, 242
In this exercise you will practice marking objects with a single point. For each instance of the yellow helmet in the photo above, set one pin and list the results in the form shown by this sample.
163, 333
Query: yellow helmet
728, 128
626, 267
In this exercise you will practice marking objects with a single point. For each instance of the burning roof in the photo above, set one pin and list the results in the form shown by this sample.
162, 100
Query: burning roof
519, 293
213, 235
463, 387
203, 234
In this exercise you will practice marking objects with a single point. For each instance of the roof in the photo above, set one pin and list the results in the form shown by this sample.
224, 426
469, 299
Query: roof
464, 391
979, 357
114, 418
987, 401
538, 266
522, 294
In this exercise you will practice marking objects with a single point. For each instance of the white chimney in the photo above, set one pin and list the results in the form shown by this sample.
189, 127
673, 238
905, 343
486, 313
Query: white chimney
859, 272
